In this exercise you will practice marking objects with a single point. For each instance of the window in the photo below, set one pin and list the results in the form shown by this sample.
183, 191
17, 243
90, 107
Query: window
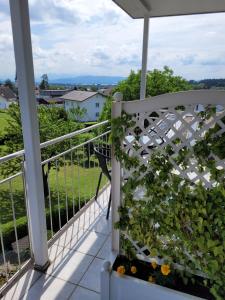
97, 104
97, 114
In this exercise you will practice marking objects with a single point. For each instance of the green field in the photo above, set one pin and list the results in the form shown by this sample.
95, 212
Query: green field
70, 185
3, 120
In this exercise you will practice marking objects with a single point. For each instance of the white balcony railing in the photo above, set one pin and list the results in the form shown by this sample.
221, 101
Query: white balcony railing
70, 175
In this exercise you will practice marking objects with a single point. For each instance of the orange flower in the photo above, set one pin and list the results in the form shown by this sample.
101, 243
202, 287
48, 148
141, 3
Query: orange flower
151, 279
121, 270
165, 269
133, 270
154, 265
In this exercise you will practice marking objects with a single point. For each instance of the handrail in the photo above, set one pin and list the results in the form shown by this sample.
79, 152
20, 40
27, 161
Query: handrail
53, 141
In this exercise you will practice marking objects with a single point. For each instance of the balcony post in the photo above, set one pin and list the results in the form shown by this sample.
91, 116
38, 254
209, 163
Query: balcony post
34, 183
116, 178
144, 57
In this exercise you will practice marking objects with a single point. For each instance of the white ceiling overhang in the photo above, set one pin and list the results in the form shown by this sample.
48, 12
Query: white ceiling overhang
161, 8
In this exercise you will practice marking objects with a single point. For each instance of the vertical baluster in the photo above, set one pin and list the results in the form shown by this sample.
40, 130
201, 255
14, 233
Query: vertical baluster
3, 249
50, 205
78, 176
89, 171
72, 178
14, 221
84, 170
58, 197
65, 185
26, 202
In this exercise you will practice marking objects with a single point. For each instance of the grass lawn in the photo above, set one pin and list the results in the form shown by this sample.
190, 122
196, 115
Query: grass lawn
70, 184
3, 120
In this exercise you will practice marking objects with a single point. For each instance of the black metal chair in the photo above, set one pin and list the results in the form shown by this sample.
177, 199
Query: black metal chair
102, 159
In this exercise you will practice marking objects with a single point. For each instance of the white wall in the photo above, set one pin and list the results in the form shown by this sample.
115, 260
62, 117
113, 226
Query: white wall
4, 104
89, 105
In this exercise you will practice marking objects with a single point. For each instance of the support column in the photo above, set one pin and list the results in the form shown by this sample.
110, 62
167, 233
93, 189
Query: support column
34, 182
116, 179
144, 58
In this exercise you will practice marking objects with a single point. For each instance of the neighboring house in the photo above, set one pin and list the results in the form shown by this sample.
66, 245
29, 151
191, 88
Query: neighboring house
92, 102
55, 102
6, 97
47, 94
106, 92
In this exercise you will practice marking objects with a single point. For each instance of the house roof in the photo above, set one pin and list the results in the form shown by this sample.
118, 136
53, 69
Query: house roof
162, 8
78, 95
106, 92
7, 93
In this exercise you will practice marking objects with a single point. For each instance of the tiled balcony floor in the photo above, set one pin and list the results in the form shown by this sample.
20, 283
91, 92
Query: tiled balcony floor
76, 259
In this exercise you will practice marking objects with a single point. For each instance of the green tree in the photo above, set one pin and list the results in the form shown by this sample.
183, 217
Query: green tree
9, 84
53, 122
44, 85
77, 113
158, 82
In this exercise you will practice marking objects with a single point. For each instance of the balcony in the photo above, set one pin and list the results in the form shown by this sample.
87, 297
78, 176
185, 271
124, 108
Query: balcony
59, 236
76, 259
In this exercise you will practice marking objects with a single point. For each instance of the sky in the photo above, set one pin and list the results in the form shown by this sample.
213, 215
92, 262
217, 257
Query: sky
95, 37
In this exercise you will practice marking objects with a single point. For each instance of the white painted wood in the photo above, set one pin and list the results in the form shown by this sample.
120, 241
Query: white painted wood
173, 120
129, 288
116, 179
171, 99
144, 57
105, 280
161, 8
24, 65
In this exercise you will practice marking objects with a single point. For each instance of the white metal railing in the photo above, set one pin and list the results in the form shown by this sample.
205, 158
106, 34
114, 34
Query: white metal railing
70, 174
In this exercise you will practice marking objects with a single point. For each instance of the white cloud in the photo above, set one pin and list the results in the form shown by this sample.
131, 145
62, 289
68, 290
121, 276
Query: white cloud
73, 37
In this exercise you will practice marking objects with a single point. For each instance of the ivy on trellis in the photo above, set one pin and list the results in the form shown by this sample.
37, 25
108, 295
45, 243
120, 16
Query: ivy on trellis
177, 219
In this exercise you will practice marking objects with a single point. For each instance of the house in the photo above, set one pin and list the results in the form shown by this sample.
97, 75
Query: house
47, 94
6, 97
92, 102
106, 91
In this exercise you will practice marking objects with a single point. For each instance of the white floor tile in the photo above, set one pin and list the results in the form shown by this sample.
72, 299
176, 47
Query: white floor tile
102, 225
54, 251
49, 288
23, 285
91, 279
84, 294
90, 243
104, 252
70, 266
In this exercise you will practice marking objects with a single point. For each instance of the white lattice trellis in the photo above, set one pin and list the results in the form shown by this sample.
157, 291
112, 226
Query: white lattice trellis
177, 121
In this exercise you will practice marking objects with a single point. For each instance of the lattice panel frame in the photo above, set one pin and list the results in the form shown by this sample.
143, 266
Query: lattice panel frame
181, 120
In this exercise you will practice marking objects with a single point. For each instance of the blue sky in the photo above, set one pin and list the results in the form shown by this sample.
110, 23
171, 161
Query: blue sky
95, 37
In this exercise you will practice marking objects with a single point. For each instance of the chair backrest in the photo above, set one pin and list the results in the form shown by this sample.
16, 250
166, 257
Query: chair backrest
102, 159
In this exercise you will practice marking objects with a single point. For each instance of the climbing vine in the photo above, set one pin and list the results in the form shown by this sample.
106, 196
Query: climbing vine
178, 220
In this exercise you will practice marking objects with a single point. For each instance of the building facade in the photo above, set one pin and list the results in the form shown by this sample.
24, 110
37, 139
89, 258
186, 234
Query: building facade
90, 102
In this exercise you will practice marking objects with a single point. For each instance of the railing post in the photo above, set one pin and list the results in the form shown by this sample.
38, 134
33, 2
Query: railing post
34, 182
144, 58
116, 179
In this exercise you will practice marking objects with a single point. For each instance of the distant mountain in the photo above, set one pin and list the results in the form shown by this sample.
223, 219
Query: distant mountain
86, 80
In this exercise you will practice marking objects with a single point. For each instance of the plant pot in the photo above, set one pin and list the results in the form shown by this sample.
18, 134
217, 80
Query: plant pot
116, 287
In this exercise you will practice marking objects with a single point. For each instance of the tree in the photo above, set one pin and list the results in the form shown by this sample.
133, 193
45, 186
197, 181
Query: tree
53, 122
77, 113
9, 84
158, 82
44, 83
